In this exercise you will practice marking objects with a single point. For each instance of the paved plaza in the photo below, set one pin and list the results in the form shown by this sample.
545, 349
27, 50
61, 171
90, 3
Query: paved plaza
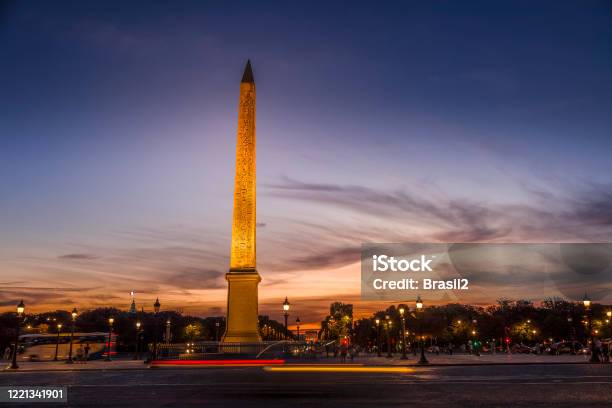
523, 384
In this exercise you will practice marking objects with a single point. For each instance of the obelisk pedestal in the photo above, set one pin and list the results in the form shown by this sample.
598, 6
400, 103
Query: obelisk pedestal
242, 301
242, 316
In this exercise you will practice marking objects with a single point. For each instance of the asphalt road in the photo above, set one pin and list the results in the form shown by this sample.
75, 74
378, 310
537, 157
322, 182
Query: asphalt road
466, 386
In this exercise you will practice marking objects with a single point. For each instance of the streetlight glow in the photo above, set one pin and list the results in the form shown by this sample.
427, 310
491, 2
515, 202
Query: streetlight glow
586, 301
20, 308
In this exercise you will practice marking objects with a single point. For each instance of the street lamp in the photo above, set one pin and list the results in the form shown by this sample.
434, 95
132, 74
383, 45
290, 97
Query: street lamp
74, 315
20, 311
402, 311
419, 307
587, 305
297, 322
378, 337
389, 355
286, 314
111, 320
59, 329
168, 332
137, 355
217, 324
156, 307
586, 301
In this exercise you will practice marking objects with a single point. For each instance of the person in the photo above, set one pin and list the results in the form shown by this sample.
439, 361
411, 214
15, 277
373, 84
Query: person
352, 352
605, 352
476, 345
79, 354
343, 351
8, 353
87, 348
597, 350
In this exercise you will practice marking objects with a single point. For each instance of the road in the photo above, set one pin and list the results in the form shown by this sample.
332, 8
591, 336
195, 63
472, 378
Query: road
566, 385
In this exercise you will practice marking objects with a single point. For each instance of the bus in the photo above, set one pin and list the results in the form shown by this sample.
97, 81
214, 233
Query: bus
41, 347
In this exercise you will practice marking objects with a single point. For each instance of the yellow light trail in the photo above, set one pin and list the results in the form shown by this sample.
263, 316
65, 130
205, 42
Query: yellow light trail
338, 369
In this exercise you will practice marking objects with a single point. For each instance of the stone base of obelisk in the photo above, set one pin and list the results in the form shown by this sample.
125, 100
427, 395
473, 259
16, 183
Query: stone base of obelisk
242, 325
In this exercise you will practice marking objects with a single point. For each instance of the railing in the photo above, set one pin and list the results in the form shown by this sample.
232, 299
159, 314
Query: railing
213, 349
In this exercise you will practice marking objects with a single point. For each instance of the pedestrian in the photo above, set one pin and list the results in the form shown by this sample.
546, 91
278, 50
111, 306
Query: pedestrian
79, 354
597, 350
343, 351
605, 352
87, 348
8, 353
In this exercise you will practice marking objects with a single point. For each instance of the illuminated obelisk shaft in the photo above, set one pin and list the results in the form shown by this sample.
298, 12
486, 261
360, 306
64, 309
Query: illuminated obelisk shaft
242, 312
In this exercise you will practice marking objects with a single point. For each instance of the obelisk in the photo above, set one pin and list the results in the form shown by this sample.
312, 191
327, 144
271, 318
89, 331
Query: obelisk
242, 278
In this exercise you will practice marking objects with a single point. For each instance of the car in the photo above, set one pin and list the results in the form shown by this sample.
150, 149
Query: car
565, 347
521, 349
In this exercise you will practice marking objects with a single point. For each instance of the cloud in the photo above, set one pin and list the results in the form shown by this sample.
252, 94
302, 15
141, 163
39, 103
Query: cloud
195, 278
593, 206
582, 216
336, 257
78, 256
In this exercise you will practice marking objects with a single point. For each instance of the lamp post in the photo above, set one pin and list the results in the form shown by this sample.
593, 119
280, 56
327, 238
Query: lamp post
297, 322
59, 329
110, 332
378, 337
419, 309
475, 342
168, 331
217, 324
20, 311
74, 314
587, 305
156, 307
137, 354
286, 314
389, 355
402, 311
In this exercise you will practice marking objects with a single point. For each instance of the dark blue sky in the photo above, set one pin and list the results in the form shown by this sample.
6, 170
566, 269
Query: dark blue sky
119, 117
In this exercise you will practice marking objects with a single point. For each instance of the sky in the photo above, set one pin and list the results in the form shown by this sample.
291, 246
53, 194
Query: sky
376, 122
